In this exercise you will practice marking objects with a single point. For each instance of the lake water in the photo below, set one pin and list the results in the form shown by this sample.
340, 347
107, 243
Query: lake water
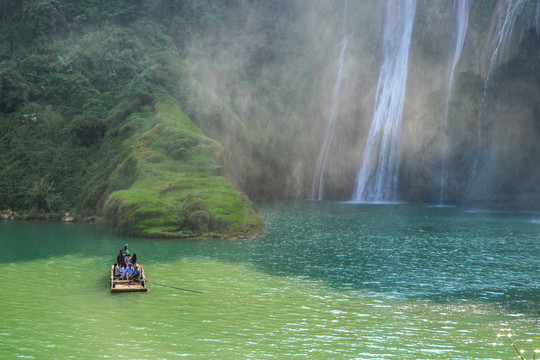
326, 280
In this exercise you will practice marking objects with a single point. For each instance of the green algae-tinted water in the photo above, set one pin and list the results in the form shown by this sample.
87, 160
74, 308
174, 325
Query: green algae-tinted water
325, 281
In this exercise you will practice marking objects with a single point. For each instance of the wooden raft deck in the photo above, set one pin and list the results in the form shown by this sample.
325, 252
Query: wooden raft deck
119, 285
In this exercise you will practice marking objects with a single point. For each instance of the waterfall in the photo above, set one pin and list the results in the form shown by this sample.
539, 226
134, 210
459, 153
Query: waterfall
504, 35
462, 24
377, 178
537, 17
505, 27
318, 176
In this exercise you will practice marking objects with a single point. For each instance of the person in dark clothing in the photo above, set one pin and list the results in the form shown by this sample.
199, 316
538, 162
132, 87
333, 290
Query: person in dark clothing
120, 259
136, 276
134, 259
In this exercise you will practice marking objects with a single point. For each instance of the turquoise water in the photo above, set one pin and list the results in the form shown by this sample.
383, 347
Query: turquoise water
325, 281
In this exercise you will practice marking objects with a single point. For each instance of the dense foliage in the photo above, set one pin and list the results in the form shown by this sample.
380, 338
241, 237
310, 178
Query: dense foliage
78, 69
74, 76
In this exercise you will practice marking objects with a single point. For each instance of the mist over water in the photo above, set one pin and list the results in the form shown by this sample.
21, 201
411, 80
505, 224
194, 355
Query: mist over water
377, 178
318, 177
462, 24
501, 45
323, 102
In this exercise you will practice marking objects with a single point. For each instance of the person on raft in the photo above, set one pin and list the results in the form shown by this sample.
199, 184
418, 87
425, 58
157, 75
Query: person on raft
136, 276
128, 272
120, 259
117, 270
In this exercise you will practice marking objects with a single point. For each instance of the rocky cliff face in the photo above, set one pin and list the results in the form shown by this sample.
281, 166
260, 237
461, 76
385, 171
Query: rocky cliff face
467, 138
492, 121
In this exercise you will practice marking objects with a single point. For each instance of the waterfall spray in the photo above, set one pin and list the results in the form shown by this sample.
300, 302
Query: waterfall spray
500, 54
377, 178
504, 35
462, 24
537, 17
318, 176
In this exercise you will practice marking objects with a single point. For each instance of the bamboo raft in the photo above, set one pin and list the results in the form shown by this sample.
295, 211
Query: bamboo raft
120, 285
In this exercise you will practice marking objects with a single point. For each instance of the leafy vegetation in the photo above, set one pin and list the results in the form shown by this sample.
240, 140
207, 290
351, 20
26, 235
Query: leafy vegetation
170, 186
86, 111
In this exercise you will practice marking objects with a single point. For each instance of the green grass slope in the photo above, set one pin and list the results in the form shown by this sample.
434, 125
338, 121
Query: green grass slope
170, 184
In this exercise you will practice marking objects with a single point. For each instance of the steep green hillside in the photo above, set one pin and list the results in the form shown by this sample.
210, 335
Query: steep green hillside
170, 185
90, 120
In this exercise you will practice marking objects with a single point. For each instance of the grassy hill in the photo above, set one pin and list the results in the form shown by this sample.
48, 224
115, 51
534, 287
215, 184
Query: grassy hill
90, 119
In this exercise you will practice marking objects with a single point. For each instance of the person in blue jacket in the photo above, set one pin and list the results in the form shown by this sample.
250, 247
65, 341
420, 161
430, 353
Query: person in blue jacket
128, 272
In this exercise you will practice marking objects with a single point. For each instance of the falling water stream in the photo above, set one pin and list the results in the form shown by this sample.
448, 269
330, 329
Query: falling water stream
377, 178
537, 18
318, 177
462, 24
505, 28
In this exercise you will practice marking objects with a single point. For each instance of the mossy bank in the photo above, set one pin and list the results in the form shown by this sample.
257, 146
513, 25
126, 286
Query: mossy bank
164, 180
171, 183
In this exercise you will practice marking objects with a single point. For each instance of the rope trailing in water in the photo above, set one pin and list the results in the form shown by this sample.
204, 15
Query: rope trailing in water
514, 346
536, 348
179, 288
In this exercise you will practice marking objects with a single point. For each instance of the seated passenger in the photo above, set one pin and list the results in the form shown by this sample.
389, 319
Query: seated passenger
136, 276
117, 270
128, 271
